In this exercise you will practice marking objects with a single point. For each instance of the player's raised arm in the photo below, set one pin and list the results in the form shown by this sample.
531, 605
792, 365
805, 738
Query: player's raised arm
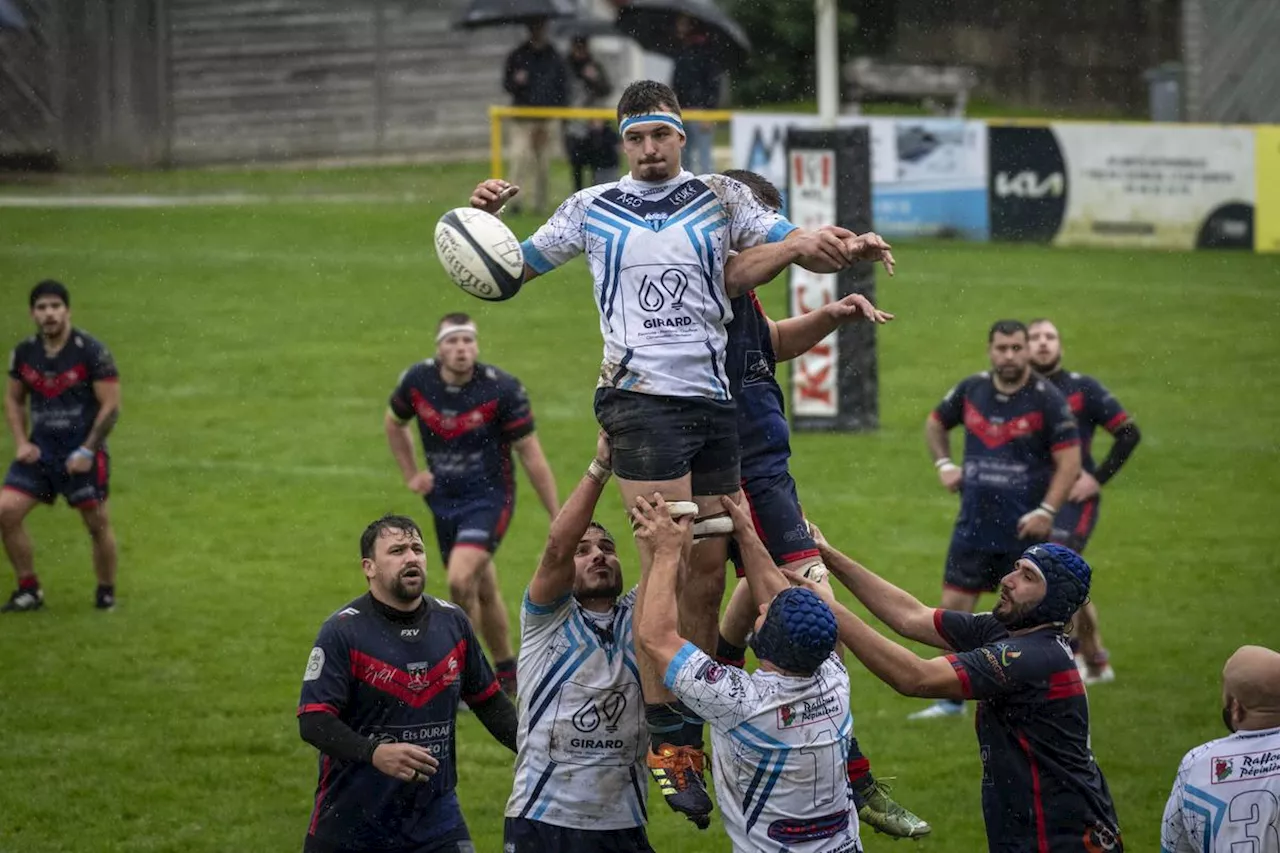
900, 668
762, 573
817, 251
491, 196
795, 336
657, 632
554, 577
895, 607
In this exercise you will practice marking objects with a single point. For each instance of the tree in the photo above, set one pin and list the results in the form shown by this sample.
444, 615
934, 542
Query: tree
780, 68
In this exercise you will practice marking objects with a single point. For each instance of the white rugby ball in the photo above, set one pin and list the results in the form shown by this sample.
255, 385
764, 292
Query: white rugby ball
480, 253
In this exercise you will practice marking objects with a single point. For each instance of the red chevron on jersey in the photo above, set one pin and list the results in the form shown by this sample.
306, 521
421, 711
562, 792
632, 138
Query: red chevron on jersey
998, 435
52, 386
416, 687
449, 427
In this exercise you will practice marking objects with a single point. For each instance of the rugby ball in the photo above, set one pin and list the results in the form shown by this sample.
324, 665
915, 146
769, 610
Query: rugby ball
480, 253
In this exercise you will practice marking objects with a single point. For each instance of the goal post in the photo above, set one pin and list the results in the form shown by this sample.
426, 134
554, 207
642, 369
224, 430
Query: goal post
499, 114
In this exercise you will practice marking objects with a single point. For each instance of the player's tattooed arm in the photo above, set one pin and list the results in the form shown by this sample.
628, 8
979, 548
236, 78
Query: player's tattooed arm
108, 394
554, 577
895, 607
668, 539
900, 668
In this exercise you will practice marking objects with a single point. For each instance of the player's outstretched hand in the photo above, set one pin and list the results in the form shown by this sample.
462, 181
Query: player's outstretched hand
853, 307
604, 450
823, 250
405, 761
820, 588
422, 482
816, 535
655, 524
744, 529
492, 194
27, 452
871, 247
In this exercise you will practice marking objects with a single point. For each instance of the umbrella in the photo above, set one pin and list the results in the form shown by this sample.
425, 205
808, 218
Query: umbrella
11, 17
492, 13
652, 23
567, 28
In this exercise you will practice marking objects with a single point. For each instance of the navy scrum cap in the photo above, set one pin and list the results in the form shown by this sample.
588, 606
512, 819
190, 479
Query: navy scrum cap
1067, 577
799, 632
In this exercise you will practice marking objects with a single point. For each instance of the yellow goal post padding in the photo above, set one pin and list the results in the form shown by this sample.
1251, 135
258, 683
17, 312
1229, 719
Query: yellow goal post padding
498, 113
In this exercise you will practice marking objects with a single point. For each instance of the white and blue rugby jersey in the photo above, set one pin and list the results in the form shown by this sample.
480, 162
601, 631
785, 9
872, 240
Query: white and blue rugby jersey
1226, 797
657, 254
580, 747
779, 750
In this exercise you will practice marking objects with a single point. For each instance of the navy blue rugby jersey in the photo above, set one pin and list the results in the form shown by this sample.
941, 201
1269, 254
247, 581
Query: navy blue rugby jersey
467, 430
396, 678
751, 365
60, 388
1008, 455
1093, 405
1041, 788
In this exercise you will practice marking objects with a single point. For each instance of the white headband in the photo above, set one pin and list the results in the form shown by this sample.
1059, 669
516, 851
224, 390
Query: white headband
653, 118
469, 328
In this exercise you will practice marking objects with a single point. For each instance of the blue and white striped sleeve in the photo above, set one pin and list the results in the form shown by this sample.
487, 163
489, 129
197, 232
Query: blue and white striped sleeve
561, 238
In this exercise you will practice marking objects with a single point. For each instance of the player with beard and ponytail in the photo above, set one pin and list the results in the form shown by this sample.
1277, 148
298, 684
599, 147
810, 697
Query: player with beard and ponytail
580, 781
1041, 788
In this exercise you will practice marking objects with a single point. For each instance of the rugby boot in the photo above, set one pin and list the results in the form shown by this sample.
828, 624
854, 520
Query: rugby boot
24, 600
678, 772
884, 814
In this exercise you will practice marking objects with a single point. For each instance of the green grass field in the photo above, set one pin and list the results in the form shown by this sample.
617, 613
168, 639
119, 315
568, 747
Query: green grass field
257, 345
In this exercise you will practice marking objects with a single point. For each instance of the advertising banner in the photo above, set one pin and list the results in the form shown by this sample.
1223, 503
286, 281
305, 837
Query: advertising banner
1153, 186
929, 176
